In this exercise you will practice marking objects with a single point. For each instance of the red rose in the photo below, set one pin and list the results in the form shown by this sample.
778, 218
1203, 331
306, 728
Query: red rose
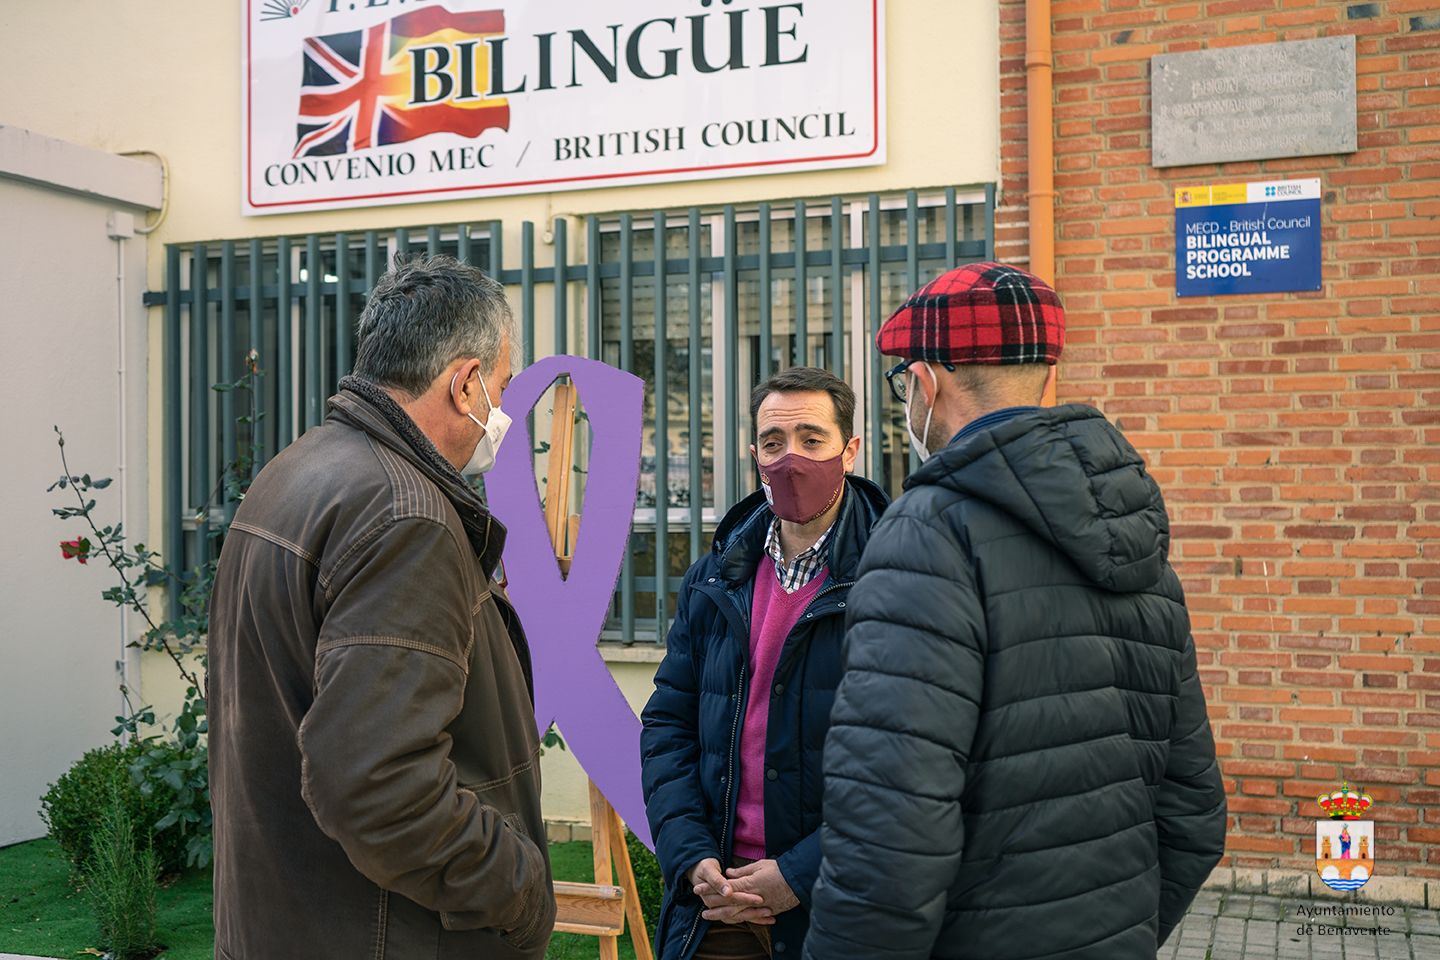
78, 549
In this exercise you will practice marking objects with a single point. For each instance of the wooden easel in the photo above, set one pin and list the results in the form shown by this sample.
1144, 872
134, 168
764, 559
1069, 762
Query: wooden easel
597, 909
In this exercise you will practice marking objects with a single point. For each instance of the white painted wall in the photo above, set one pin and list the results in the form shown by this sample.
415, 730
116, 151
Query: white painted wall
61, 313
942, 91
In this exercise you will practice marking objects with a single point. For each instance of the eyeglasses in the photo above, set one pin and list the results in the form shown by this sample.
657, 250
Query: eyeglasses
898, 386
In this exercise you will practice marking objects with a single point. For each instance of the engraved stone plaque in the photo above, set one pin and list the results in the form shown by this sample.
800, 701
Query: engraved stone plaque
1292, 99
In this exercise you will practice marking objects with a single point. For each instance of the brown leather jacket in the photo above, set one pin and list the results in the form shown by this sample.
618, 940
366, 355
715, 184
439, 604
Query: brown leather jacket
373, 757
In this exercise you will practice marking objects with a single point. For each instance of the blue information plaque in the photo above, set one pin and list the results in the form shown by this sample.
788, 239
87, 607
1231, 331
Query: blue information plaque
1247, 238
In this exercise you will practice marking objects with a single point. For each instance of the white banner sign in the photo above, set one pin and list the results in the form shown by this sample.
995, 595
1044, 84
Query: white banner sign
351, 103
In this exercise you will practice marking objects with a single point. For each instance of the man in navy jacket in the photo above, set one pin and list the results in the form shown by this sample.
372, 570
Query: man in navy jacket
734, 731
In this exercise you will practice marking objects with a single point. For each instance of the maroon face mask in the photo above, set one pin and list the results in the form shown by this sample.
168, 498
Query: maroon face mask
800, 489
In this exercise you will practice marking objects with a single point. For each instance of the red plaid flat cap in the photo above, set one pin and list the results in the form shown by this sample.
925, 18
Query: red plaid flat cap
978, 313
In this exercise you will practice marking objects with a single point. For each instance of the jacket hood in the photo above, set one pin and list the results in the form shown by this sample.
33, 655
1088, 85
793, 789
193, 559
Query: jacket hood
740, 537
1073, 479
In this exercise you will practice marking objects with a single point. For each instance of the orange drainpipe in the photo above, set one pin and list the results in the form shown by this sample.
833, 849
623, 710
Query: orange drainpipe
1040, 133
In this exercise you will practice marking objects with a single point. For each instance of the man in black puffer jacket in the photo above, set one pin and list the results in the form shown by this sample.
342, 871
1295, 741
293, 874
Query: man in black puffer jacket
732, 739
1019, 764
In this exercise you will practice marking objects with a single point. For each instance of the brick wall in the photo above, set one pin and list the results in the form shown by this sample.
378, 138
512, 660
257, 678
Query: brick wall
1296, 436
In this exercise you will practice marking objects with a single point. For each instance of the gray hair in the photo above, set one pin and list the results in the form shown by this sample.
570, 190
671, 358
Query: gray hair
1003, 384
423, 315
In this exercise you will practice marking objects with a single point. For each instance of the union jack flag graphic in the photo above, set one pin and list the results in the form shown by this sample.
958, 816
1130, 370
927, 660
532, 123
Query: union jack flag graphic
355, 91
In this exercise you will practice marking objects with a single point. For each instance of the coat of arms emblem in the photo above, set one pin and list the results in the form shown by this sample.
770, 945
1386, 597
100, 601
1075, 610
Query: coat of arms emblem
1345, 844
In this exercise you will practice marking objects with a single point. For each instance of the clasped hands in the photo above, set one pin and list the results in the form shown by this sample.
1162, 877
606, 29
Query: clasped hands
751, 894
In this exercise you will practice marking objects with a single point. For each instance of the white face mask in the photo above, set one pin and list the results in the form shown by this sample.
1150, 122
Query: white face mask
919, 442
495, 427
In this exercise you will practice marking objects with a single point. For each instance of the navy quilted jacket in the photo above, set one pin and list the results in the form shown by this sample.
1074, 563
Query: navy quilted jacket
1019, 764
690, 741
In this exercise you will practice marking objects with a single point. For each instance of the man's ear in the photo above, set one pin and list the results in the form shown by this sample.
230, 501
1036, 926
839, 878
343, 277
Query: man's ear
465, 390
851, 454
928, 381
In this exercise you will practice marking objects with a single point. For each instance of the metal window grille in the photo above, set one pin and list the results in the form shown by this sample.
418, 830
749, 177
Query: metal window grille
740, 302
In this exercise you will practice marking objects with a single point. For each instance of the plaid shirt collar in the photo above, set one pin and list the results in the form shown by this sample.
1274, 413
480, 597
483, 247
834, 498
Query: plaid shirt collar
806, 565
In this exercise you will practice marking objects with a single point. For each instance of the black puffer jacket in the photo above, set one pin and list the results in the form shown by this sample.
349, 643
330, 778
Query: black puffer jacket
1019, 763
691, 735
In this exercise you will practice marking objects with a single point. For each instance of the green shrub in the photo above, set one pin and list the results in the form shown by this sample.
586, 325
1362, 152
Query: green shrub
120, 877
649, 882
73, 806
181, 771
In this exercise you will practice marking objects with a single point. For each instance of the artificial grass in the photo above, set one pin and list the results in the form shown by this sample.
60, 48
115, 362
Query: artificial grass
41, 914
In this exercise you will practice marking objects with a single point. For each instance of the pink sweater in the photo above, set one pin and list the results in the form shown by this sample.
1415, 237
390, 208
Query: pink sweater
773, 614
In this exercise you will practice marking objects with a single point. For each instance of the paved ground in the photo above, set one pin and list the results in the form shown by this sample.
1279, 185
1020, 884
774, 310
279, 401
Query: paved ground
1239, 926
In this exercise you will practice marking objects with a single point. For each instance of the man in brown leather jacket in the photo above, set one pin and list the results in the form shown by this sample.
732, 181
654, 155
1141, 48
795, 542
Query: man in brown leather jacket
373, 755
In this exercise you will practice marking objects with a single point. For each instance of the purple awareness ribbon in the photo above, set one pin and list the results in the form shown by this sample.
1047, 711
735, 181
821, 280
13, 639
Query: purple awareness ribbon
563, 617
